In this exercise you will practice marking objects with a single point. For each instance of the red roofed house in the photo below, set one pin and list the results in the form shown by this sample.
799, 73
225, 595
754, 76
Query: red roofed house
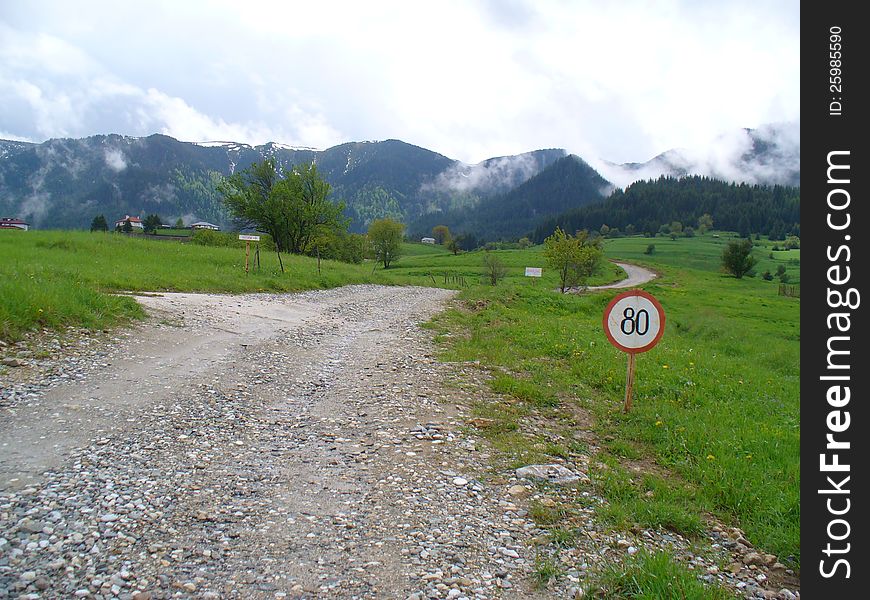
135, 222
10, 223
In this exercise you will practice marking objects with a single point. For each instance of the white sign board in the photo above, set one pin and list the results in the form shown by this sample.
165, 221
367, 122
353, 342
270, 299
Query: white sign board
634, 321
250, 238
533, 271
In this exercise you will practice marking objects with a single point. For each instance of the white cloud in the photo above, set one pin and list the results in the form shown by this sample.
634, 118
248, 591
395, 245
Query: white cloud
115, 159
623, 81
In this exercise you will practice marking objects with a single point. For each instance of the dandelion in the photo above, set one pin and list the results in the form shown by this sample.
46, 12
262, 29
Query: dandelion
659, 423
665, 367
711, 457
748, 457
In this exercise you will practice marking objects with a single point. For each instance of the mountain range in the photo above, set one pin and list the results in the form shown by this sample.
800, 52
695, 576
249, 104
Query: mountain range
64, 183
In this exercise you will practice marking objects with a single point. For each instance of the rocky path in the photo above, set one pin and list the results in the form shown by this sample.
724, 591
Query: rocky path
297, 446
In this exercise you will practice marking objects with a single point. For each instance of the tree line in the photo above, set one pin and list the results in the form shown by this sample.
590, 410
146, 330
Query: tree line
645, 207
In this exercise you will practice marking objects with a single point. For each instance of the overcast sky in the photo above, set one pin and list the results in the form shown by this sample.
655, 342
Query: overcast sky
619, 80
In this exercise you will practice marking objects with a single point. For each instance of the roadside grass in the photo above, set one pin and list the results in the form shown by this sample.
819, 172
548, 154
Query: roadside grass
53, 279
716, 402
648, 576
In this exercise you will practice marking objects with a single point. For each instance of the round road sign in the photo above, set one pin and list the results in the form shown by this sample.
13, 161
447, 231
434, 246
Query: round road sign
634, 321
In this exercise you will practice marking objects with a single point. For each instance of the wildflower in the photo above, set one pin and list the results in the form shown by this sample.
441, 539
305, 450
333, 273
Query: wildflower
711, 457
665, 367
658, 423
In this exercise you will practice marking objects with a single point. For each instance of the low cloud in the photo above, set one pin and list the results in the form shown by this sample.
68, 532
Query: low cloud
115, 159
488, 177
767, 155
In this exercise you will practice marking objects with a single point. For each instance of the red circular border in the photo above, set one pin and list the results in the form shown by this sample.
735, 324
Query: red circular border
627, 294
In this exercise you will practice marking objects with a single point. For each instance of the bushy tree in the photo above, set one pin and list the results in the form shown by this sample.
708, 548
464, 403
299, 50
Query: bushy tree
179, 224
737, 258
340, 245
441, 233
705, 223
151, 223
493, 269
385, 238
293, 207
99, 224
574, 258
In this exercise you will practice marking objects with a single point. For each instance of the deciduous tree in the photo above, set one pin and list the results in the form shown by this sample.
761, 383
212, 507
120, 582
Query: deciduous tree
574, 258
293, 207
385, 237
441, 233
737, 258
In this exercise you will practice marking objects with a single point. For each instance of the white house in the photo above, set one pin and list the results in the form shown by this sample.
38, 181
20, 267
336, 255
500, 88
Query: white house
204, 225
10, 223
428, 240
135, 222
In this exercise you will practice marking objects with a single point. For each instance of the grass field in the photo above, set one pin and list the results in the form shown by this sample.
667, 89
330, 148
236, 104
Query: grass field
715, 426
716, 406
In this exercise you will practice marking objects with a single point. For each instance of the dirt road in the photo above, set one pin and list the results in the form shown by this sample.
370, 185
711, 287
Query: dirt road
635, 276
256, 447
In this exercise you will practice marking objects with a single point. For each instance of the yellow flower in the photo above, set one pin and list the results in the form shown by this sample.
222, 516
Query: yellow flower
748, 457
711, 457
658, 423
665, 367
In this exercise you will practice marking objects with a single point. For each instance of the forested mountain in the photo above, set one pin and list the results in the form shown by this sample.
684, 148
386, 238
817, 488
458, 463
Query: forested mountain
64, 183
567, 183
645, 206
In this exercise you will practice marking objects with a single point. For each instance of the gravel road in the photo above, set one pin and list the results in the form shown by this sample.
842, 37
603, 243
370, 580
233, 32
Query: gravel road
254, 446
635, 276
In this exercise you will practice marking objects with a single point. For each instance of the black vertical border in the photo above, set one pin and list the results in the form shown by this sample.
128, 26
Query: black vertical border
822, 133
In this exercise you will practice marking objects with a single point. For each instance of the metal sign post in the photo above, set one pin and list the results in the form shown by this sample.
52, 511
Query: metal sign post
634, 322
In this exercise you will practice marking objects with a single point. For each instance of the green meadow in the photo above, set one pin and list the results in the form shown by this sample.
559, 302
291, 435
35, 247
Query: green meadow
714, 432
715, 426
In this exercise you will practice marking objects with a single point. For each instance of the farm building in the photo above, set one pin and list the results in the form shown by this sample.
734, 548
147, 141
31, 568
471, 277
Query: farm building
10, 223
135, 222
204, 225
428, 240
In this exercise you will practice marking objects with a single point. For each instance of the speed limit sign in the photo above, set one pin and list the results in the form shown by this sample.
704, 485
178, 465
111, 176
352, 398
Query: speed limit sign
634, 322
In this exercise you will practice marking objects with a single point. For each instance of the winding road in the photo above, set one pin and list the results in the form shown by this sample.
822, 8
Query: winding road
636, 276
